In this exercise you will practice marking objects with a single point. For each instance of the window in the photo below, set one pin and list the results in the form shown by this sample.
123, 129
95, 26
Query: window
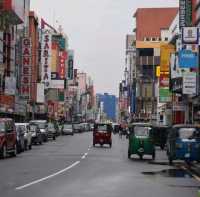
154, 39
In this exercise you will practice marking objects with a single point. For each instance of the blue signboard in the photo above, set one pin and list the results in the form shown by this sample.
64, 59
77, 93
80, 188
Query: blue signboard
188, 59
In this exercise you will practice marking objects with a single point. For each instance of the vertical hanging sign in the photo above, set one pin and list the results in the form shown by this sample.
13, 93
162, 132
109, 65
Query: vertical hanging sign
26, 68
46, 59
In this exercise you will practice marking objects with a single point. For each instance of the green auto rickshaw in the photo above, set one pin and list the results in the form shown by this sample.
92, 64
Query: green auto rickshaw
141, 140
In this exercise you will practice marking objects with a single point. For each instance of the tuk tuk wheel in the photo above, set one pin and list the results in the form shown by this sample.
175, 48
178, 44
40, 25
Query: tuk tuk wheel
154, 156
93, 144
170, 161
141, 157
110, 145
129, 154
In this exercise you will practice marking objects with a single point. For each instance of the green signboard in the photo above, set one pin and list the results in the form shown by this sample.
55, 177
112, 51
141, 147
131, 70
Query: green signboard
165, 95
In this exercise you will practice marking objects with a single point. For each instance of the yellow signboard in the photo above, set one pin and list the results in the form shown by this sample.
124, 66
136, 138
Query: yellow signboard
158, 71
165, 53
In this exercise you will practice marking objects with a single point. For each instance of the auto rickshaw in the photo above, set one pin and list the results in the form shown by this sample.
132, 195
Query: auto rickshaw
141, 140
160, 133
183, 143
102, 134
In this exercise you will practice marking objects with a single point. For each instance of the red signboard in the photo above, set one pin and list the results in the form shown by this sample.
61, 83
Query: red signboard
62, 59
164, 80
26, 68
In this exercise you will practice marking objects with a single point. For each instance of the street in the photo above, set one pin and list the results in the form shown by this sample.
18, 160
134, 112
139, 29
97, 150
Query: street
72, 167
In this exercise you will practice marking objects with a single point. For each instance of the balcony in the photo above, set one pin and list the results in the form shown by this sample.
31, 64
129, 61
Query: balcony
13, 11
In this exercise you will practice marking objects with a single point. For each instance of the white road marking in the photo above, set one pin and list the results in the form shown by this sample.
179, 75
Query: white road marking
48, 177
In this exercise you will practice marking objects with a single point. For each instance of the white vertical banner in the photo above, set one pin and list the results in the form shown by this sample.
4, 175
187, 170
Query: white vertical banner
40, 93
46, 58
190, 83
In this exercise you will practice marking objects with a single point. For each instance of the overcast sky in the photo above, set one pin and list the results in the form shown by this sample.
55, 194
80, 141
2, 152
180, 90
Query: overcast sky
96, 31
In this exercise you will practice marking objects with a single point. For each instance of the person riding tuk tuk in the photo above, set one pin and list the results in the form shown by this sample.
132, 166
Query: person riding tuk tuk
160, 133
141, 140
102, 134
183, 143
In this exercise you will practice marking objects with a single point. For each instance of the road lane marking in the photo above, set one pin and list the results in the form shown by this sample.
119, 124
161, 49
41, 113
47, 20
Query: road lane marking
84, 156
48, 177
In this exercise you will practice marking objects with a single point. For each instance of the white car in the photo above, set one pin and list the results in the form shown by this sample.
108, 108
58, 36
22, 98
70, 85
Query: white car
27, 135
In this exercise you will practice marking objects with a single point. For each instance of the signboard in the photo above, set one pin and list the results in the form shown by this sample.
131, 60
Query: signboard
40, 93
26, 68
57, 84
190, 83
164, 81
185, 13
188, 59
62, 59
70, 65
174, 67
46, 59
10, 86
190, 35
166, 51
165, 95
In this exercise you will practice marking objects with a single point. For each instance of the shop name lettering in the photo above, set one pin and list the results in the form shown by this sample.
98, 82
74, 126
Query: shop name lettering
62, 65
46, 57
26, 68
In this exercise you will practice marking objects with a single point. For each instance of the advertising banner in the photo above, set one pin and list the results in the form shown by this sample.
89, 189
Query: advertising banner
62, 59
188, 59
10, 86
70, 64
46, 59
166, 51
189, 83
164, 81
40, 93
26, 68
165, 95
174, 67
190, 35
185, 13
54, 57
57, 84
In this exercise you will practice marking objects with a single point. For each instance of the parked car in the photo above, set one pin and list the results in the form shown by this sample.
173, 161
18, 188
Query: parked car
52, 130
27, 134
43, 128
183, 143
67, 129
141, 140
20, 138
8, 137
77, 128
36, 134
102, 134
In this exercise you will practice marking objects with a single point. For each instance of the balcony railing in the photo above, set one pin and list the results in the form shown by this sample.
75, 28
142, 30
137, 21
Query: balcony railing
148, 60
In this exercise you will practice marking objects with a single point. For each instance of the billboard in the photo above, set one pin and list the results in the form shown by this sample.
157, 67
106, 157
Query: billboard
70, 64
40, 93
46, 58
10, 86
165, 95
62, 59
57, 84
188, 59
185, 13
190, 35
189, 83
26, 72
165, 54
54, 57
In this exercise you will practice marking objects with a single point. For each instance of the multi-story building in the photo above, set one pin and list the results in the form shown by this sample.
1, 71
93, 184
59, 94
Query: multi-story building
151, 32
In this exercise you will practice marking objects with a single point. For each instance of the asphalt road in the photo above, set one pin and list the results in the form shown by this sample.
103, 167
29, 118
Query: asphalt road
70, 167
